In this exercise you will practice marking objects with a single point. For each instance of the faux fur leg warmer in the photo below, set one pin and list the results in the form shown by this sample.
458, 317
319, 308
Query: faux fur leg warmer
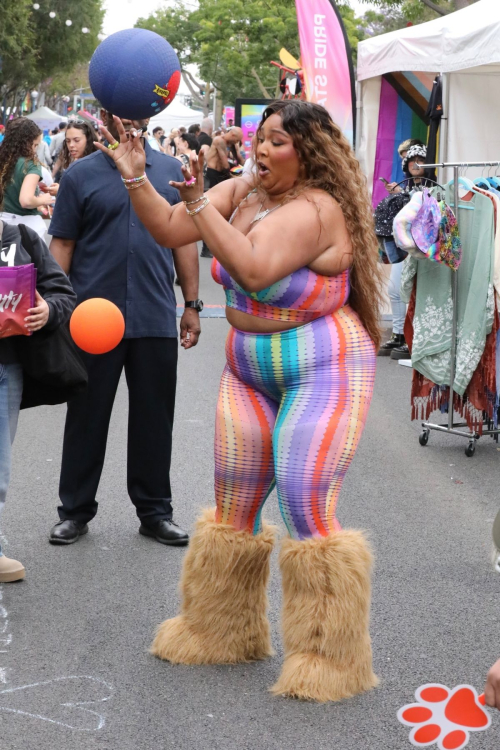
223, 616
326, 608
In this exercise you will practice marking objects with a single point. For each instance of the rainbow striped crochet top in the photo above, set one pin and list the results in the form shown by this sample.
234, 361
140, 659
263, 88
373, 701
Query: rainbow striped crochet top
300, 297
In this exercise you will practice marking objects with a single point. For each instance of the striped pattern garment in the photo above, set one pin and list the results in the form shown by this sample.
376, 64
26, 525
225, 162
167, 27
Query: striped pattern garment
298, 298
291, 410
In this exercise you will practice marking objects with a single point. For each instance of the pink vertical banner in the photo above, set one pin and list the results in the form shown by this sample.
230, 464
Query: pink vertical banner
228, 115
384, 155
327, 61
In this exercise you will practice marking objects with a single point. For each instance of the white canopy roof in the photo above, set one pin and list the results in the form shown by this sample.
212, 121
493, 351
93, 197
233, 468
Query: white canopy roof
460, 40
175, 115
45, 118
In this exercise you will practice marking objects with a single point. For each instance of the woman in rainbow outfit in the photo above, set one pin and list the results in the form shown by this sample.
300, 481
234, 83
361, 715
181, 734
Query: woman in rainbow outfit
295, 250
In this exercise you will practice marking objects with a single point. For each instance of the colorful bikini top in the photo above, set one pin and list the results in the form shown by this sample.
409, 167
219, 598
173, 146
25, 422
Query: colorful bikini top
300, 297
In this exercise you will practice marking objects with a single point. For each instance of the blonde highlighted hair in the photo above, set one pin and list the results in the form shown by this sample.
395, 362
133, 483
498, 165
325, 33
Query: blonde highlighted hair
329, 164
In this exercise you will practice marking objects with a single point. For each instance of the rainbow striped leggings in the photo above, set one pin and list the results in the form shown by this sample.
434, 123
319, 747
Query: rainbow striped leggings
291, 410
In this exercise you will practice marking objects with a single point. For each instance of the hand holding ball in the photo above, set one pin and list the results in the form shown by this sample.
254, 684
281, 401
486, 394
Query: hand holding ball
97, 326
135, 74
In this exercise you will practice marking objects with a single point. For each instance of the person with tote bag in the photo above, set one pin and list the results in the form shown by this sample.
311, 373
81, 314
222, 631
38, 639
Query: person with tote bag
38, 361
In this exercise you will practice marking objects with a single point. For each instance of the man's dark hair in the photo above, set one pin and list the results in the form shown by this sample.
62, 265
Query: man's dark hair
192, 141
182, 129
194, 129
157, 129
62, 126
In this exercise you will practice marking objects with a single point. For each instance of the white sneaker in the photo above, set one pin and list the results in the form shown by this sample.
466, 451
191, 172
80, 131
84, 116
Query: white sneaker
11, 570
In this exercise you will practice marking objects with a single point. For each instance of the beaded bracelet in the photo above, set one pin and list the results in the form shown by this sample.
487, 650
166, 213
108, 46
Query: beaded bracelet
142, 178
135, 182
205, 203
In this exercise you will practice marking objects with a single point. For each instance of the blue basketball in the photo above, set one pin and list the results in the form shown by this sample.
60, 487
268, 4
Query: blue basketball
134, 73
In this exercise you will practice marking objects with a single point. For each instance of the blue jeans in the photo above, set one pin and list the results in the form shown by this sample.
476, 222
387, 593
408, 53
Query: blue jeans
11, 389
398, 307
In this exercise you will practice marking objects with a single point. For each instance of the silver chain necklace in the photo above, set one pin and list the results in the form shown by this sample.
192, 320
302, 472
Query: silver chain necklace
262, 214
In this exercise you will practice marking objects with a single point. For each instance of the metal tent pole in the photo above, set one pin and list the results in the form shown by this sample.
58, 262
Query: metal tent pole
454, 299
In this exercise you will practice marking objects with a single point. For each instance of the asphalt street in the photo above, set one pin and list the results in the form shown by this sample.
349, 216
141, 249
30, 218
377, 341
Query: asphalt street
74, 665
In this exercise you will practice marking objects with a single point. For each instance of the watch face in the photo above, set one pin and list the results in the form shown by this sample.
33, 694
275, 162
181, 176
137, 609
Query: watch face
199, 305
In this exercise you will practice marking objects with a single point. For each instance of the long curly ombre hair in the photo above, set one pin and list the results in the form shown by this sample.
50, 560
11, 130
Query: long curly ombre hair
20, 134
329, 164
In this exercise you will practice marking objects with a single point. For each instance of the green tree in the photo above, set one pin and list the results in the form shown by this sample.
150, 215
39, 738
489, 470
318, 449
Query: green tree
16, 39
34, 46
232, 42
417, 10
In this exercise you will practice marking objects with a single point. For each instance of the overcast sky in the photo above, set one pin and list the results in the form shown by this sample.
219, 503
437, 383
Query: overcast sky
122, 14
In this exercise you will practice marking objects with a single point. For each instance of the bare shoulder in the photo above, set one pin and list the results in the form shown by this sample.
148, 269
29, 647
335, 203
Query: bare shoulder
229, 194
242, 187
323, 201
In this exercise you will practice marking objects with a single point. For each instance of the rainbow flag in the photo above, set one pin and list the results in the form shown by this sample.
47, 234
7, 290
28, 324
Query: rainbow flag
403, 102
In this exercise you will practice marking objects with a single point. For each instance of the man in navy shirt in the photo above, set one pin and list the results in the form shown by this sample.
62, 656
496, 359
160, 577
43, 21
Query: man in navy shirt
99, 241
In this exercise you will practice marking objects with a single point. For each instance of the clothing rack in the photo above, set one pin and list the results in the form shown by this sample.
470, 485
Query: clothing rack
451, 428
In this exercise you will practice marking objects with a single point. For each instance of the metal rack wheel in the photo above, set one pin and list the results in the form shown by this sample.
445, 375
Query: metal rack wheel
424, 437
471, 449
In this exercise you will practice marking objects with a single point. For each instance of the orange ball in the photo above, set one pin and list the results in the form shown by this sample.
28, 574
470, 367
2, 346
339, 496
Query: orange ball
97, 326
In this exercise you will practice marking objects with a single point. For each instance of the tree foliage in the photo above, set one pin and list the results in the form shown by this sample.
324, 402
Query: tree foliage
232, 42
417, 11
34, 47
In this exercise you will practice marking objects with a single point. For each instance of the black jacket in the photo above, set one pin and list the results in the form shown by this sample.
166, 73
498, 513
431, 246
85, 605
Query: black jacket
52, 283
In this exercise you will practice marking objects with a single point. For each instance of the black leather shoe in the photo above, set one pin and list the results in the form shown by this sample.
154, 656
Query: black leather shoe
397, 339
166, 532
205, 252
67, 532
401, 352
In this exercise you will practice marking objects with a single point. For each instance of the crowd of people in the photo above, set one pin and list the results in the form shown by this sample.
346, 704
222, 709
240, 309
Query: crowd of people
295, 249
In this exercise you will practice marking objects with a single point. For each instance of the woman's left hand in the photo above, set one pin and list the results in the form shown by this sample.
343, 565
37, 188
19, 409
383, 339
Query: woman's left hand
39, 315
196, 190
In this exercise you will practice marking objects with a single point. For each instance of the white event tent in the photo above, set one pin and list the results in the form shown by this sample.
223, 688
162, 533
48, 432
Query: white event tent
175, 115
465, 47
45, 118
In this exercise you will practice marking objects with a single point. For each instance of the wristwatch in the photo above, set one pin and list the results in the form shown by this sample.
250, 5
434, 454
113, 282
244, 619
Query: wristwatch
196, 304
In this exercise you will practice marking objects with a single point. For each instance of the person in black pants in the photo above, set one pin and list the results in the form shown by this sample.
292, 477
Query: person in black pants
99, 241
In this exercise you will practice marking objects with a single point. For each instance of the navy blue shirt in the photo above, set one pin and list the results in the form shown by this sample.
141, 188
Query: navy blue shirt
115, 257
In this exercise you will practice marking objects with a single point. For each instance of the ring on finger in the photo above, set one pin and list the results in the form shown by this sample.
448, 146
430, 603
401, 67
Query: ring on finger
191, 182
113, 146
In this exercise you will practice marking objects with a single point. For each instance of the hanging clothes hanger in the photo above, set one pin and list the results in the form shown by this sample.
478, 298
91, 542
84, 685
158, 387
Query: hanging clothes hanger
420, 186
466, 184
482, 182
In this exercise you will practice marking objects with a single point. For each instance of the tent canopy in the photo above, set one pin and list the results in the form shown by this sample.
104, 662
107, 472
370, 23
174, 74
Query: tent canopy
175, 115
465, 47
464, 39
45, 118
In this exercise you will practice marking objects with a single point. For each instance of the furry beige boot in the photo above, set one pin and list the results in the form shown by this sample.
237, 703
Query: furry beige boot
223, 616
11, 570
326, 607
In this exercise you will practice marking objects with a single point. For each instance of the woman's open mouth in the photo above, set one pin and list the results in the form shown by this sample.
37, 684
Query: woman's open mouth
263, 170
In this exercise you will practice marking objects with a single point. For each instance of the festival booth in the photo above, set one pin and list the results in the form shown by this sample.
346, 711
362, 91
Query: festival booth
45, 118
174, 116
395, 75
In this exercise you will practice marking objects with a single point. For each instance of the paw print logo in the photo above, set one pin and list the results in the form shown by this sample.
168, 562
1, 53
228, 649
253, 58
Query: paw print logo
444, 717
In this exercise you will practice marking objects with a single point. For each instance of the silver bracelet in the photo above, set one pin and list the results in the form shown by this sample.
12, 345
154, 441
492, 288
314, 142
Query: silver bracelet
190, 203
200, 208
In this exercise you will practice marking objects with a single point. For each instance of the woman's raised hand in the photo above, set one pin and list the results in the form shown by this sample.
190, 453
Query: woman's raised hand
194, 175
129, 155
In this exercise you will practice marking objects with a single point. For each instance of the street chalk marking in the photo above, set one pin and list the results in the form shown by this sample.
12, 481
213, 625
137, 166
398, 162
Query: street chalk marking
70, 714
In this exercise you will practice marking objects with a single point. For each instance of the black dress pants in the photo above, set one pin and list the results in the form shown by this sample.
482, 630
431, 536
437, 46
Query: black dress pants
151, 372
